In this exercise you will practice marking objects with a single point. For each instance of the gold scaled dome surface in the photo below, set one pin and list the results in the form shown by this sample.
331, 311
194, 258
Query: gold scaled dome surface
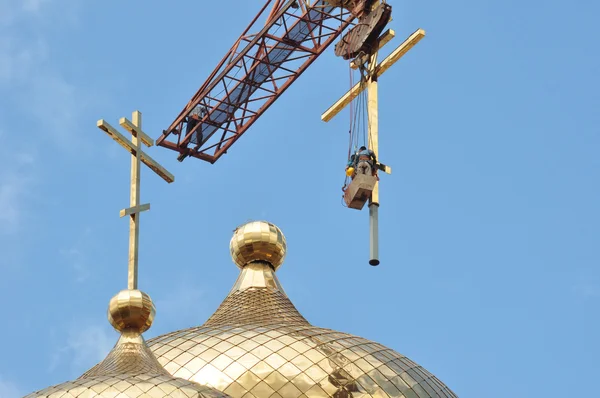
258, 345
258, 241
130, 370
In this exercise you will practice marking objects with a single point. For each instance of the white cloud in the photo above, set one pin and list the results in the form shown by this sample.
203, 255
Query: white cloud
10, 190
33, 5
77, 262
39, 90
18, 11
27, 72
587, 290
184, 298
33, 86
16, 179
18, 59
9, 390
9, 11
76, 258
85, 347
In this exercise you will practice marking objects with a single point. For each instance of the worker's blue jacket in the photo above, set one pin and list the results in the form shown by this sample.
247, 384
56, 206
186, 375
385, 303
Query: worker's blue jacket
354, 159
366, 153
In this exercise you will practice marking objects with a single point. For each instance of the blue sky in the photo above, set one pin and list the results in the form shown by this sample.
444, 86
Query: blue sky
489, 224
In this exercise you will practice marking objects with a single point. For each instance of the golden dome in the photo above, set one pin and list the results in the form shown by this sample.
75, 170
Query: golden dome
130, 370
131, 310
258, 345
258, 241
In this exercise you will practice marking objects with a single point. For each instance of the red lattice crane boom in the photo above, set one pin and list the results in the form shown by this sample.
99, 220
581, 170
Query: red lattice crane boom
268, 57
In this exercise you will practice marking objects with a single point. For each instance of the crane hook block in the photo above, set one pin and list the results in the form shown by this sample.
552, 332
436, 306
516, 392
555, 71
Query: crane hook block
363, 37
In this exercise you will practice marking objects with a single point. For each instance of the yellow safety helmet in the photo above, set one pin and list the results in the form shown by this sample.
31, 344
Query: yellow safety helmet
349, 171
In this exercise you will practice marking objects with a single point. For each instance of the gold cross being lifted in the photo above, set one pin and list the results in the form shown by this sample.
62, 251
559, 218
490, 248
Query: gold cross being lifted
138, 156
370, 84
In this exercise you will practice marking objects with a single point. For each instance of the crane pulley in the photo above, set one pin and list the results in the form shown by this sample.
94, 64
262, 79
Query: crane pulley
363, 37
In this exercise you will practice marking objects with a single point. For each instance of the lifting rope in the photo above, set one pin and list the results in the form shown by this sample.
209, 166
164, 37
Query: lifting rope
358, 129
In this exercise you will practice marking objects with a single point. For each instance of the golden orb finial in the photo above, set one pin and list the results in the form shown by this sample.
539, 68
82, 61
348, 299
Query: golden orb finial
258, 241
131, 310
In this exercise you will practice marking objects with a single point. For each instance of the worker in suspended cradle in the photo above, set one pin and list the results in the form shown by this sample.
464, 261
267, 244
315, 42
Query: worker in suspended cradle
365, 161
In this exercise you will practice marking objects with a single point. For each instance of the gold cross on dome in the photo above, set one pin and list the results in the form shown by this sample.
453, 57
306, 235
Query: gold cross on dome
134, 147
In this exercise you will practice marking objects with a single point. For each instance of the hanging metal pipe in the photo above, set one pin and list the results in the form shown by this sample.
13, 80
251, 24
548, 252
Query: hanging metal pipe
374, 233
372, 106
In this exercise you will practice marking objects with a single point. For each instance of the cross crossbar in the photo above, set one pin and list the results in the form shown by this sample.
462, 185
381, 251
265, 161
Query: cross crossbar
136, 131
135, 209
125, 143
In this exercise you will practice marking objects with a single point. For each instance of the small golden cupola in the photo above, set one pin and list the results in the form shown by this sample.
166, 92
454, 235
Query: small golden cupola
130, 370
257, 344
